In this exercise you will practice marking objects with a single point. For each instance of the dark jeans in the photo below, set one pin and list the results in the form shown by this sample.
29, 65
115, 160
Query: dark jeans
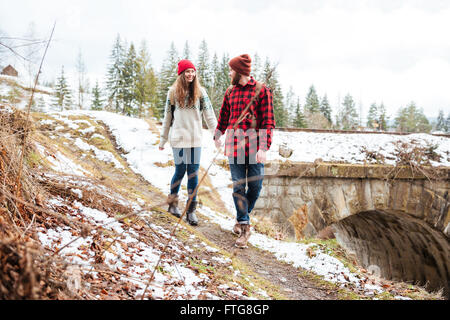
244, 175
186, 160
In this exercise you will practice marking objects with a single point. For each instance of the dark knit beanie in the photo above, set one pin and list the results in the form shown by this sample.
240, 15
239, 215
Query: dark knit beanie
185, 64
241, 64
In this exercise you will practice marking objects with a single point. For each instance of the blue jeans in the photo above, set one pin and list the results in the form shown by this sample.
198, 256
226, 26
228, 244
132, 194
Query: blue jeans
186, 160
244, 175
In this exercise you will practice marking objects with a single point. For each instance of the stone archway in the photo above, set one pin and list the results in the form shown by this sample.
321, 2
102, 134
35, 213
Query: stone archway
401, 247
389, 217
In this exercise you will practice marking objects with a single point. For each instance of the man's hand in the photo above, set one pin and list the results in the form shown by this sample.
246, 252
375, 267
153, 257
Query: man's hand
218, 143
261, 156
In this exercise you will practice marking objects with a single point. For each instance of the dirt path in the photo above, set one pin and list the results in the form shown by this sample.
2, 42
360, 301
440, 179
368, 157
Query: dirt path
267, 266
282, 275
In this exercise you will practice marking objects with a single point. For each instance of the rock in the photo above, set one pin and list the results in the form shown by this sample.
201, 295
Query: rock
285, 151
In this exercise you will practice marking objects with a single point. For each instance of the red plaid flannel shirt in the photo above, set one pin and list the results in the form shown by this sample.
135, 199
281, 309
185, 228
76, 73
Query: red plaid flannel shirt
232, 107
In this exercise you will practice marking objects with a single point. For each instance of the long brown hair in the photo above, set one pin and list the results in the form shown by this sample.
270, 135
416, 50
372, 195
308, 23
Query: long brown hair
181, 88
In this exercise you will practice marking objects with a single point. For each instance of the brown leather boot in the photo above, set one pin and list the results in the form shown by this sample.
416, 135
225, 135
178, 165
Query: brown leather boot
237, 229
241, 242
172, 201
191, 218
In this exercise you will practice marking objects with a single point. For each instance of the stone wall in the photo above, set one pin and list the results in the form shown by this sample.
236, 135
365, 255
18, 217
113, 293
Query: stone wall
332, 192
397, 247
392, 218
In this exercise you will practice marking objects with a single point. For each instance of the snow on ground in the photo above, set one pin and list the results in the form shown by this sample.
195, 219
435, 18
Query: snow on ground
137, 262
140, 259
99, 154
61, 163
143, 156
309, 146
43, 99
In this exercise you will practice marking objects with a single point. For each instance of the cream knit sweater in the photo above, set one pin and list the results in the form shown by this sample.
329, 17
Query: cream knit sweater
186, 130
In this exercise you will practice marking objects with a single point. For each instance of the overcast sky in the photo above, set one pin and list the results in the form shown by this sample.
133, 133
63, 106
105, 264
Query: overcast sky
388, 50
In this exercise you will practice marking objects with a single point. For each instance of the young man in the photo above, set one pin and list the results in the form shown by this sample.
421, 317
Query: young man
249, 136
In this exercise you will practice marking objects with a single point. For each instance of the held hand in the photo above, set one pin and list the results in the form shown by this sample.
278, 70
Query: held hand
218, 143
261, 156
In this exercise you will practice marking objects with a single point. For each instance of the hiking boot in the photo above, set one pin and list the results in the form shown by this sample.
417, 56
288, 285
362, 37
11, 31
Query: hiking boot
172, 201
191, 218
237, 229
241, 242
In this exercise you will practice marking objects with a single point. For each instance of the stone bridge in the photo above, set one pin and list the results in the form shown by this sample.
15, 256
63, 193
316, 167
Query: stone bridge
395, 220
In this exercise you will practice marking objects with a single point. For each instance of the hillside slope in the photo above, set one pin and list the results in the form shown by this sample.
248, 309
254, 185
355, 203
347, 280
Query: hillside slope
91, 220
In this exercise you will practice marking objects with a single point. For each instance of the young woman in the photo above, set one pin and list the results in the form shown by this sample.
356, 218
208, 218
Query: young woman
186, 102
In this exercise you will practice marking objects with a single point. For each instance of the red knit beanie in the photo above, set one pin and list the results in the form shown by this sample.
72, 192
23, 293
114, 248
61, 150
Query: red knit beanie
241, 64
185, 64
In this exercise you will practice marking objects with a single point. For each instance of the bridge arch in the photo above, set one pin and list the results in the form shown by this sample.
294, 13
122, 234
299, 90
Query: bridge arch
391, 218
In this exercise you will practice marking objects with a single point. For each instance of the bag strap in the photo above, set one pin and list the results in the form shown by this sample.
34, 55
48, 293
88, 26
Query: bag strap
172, 104
258, 88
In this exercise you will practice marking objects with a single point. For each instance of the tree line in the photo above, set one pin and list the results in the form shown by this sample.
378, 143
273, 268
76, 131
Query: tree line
134, 87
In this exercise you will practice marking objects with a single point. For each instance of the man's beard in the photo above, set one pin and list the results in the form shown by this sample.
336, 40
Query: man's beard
235, 80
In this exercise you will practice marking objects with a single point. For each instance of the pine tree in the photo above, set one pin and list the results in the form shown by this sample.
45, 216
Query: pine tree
312, 104
63, 97
114, 83
221, 82
440, 122
167, 77
97, 101
348, 117
146, 83
129, 76
270, 78
186, 51
447, 123
372, 117
325, 108
83, 83
382, 117
299, 118
289, 105
256, 67
215, 94
203, 66
412, 119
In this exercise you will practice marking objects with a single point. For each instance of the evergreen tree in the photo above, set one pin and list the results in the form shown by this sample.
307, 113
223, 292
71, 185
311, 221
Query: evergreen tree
221, 82
382, 117
256, 67
63, 97
97, 101
440, 122
203, 66
146, 83
215, 94
447, 123
372, 117
129, 77
348, 117
289, 105
167, 77
186, 52
412, 119
83, 83
114, 83
270, 78
312, 104
325, 108
299, 118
